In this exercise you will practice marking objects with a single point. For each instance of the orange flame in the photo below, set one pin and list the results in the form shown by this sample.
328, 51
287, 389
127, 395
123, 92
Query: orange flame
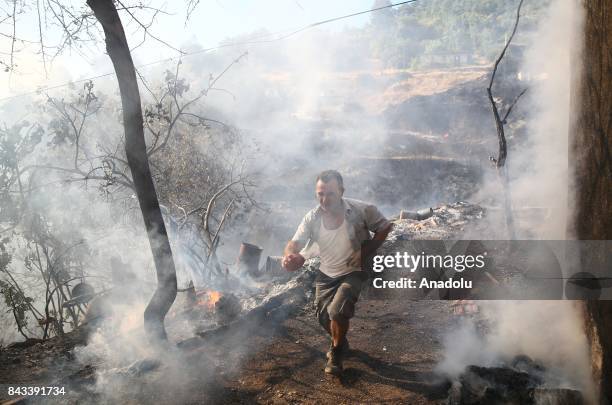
210, 299
213, 297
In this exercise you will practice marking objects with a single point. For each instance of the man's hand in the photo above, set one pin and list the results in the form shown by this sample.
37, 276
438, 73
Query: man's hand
293, 261
355, 259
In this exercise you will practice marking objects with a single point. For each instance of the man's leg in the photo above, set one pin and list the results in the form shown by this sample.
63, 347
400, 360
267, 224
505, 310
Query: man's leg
324, 294
339, 327
340, 310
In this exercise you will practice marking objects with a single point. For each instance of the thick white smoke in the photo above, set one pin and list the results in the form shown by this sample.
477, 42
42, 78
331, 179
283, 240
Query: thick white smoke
548, 331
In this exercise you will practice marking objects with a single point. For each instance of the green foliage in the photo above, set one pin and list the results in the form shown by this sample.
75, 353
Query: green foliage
5, 256
17, 303
16, 142
15, 300
412, 33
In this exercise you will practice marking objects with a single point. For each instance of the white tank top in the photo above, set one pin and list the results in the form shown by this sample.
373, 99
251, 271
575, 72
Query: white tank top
335, 249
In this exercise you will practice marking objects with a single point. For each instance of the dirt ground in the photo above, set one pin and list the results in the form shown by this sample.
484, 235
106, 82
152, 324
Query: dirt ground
395, 347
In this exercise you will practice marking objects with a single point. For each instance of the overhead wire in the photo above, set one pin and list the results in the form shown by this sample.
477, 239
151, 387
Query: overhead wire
221, 46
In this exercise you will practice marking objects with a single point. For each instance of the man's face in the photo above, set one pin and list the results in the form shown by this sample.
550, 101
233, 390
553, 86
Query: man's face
329, 195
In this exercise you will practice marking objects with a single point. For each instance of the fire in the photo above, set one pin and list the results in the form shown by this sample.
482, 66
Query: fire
213, 297
209, 299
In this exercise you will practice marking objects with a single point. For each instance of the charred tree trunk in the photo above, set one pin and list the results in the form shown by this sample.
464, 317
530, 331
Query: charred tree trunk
135, 148
500, 161
591, 163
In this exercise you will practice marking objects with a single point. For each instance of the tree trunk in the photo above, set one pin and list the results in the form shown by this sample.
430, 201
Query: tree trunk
135, 148
591, 163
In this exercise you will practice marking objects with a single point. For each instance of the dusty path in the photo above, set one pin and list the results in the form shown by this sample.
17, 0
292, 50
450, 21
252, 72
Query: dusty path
395, 346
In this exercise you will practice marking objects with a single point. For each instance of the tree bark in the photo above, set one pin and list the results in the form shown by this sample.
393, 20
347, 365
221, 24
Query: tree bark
591, 164
135, 148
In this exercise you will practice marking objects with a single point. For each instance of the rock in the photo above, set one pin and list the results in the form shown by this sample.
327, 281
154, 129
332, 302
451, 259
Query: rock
490, 385
520, 382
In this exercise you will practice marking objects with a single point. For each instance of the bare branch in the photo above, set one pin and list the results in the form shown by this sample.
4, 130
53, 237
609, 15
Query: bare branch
503, 149
40, 37
146, 27
216, 238
503, 52
512, 106
191, 6
12, 62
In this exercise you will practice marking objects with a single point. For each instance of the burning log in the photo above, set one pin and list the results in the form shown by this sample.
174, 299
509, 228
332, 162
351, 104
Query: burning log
207, 299
224, 307
248, 258
272, 309
196, 304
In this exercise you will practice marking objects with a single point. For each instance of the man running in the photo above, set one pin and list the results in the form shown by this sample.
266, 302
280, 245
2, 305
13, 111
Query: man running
338, 226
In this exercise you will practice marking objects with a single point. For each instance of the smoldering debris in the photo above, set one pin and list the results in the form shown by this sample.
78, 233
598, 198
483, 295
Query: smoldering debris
447, 221
520, 381
116, 364
501, 354
241, 294
274, 303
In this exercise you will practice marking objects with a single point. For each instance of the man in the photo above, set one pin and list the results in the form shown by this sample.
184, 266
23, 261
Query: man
338, 226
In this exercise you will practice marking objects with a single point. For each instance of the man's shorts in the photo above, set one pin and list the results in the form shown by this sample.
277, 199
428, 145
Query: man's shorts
335, 298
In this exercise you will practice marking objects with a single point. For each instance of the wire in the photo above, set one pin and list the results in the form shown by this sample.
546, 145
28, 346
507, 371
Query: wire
233, 44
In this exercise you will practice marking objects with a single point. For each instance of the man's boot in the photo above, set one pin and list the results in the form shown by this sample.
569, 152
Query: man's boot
334, 361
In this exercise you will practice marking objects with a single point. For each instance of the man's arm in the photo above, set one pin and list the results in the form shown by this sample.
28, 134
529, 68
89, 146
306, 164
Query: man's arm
292, 259
293, 246
371, 246
378, 239
377, 223
382, 234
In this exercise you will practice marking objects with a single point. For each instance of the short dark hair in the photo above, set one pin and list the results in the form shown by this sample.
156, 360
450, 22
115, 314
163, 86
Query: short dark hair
327, 175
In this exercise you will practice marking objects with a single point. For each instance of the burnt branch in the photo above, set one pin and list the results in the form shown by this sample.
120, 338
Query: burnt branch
500, 160
503, 148
147, 27
504, 120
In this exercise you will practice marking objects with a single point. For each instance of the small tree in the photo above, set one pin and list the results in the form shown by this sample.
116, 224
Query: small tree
500, 160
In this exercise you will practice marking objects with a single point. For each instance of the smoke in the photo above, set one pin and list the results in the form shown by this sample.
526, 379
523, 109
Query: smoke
311, 103
126, 363
551, 332
296, 108
517, 328
540, 168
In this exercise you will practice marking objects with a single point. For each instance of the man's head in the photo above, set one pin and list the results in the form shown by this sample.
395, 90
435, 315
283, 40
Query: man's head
329, 190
